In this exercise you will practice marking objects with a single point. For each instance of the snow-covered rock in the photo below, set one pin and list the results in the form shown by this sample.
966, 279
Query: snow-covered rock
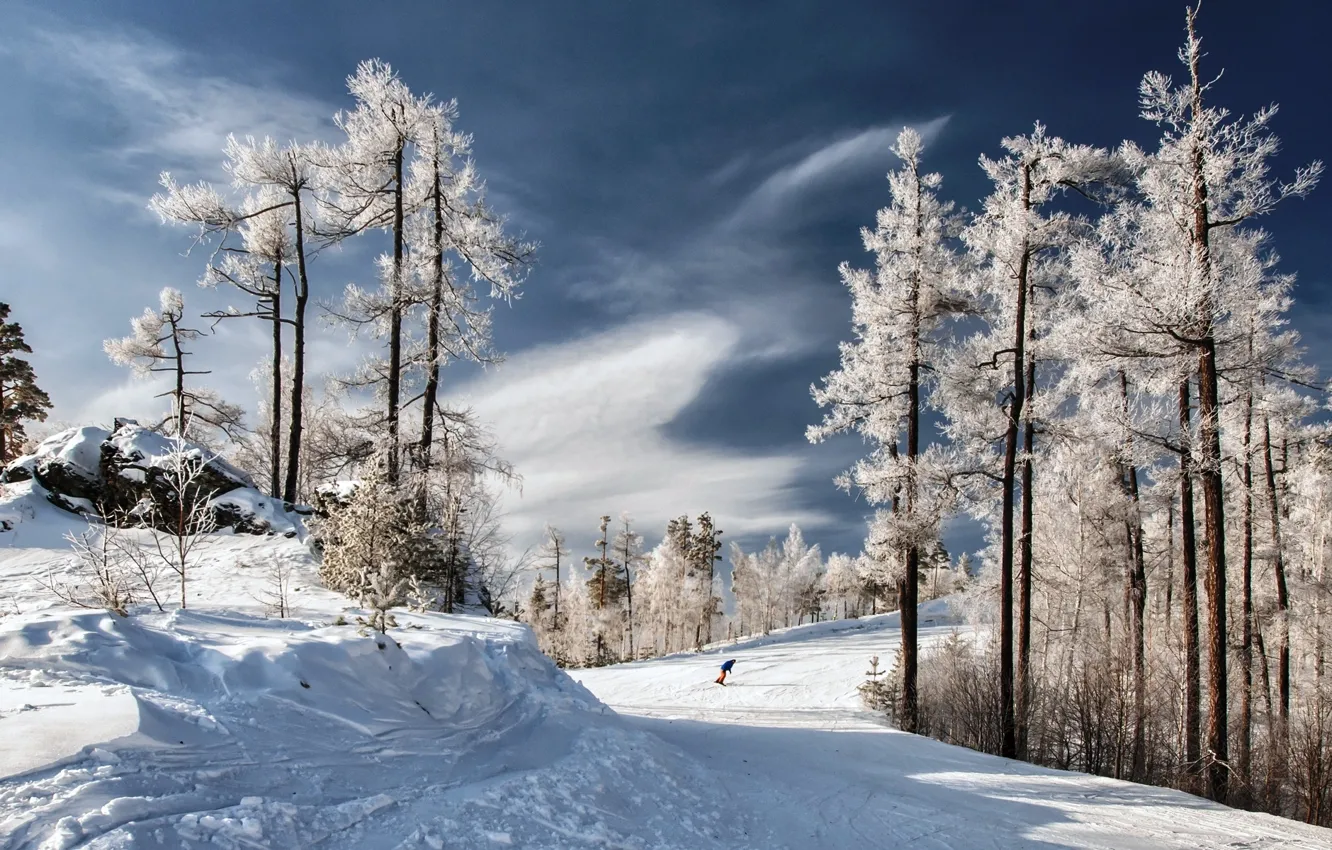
90, 470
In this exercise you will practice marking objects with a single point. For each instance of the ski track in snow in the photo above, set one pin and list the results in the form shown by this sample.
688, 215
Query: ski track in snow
793, 746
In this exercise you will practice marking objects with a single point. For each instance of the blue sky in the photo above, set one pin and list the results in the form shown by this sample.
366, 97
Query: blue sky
694, 172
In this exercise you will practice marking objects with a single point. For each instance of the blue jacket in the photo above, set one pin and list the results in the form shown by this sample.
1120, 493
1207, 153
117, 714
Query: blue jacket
727, 665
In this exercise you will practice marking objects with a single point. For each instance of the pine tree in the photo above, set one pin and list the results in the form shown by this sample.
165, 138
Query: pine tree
606, 588
20, 397
704, 552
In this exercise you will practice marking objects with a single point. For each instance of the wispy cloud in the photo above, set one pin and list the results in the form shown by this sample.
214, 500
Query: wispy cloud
169, 111
583, 422
845, 157
744, 253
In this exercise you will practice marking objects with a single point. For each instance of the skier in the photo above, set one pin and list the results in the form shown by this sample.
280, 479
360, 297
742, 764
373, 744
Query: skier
725, 668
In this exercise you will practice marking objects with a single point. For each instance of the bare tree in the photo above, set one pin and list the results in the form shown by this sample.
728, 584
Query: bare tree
158, 345
101, 574
181, 525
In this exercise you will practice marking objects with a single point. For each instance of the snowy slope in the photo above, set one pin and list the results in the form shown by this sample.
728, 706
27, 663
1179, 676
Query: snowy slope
217, 726
790, 742
227, 729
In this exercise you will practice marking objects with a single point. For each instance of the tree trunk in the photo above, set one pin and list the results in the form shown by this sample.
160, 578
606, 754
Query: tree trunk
1279, 574
1023, 686
1007, 723
1137, 599
1214, 581
290, 489
395, 319
180, 416
1170, 562
910, 713
629, 592
1189, 594
431, 396
1209, 456
275, 426
1244, 745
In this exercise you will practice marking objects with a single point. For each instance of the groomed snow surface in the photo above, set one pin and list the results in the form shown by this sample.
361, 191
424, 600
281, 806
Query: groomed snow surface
217, 726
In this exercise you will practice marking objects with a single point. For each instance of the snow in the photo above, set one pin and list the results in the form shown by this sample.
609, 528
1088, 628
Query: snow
80, 448
153, 450
219, 726
788, 740
29, 521
45, 724
263, 511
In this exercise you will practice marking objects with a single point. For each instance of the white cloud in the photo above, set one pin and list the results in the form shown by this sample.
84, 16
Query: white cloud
582, 421
847, 156
171, 111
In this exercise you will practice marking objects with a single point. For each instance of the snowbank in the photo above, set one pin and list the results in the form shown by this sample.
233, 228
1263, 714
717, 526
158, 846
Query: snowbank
28, 519
226, 729
217, 726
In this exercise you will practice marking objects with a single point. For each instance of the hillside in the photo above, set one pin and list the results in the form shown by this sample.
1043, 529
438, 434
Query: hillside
220, 726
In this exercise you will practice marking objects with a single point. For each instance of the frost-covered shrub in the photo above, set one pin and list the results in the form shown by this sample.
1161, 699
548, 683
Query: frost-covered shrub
376, 526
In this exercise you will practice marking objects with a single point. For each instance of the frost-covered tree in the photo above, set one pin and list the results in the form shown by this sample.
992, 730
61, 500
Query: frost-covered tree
536, 612
20, 398
405, 169
181, 525
843, 585
453, 224
158, 345
704, 551
551, 556
801, 573
667, 615
879, 390
991, 381
374, 526
1207, 178
371, 192
575, 643
756, 586
627, 548
272, 226
778, 586
606, 590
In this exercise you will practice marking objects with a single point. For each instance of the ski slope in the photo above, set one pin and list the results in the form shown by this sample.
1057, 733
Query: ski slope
795, 753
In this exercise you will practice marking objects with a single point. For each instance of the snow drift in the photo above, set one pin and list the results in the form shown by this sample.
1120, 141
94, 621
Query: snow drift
231, 730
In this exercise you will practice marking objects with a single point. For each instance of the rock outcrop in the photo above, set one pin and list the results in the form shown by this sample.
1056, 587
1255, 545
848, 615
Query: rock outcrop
131, 475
